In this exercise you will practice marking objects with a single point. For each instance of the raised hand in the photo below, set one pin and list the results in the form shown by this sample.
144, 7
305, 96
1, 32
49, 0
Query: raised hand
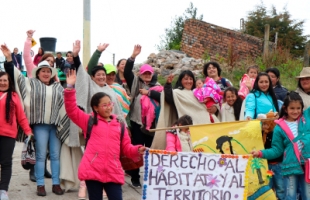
102, 47
71, 77
30, 33
6, 52
248, 83
76, 48
170, 78
136, 51
255, 154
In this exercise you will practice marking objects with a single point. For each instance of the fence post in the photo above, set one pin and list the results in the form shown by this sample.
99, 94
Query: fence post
266, 41
306, 55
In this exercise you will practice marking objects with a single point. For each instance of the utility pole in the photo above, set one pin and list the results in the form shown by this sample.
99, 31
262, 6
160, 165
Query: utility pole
306, 55
86, 31
114, 59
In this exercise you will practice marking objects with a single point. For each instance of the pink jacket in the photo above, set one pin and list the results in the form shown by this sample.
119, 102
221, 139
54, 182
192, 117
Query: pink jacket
148, 109
244, 90
27, 57
19, 117
101, 161
172, 141
209, 90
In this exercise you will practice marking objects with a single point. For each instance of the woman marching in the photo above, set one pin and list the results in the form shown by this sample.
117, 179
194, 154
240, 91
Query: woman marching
11, 116
42, 98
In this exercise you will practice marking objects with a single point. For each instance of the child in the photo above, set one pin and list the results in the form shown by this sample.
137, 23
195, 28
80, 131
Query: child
231, 109
179, 139
247, 81
100, 166
208, 93
291, 137
276, 182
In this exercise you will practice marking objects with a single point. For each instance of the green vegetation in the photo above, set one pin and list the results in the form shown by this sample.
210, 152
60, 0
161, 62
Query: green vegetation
290, 31
173, 35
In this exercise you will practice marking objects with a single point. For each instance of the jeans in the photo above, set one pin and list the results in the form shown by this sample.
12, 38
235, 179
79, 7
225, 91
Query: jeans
138, 137
277, 181
45, 136
7, 146
95, 189
292, 183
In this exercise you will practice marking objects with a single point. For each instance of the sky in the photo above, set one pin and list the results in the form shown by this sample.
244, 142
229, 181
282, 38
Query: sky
122, 23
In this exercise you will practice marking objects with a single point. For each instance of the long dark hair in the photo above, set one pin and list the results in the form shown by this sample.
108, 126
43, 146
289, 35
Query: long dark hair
41, 50
9, 104
270, 89
291, 96
276, 72
189, 73
95, 100
238, 103
221, 140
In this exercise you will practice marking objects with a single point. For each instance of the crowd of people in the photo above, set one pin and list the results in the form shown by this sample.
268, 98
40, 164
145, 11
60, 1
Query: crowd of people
64, 107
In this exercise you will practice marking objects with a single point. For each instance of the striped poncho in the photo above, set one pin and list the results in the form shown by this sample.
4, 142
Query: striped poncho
122, 97
42, 103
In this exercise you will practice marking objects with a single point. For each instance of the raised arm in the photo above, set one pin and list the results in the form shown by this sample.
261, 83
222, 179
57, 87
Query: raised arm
93, 62
168, 90
75, 52
74, 113
128, 74
26, 55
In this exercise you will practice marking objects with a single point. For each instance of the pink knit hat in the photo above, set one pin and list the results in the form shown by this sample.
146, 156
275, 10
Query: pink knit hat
146, 68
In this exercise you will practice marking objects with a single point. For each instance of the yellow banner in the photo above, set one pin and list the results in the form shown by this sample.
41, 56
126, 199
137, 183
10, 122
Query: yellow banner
237, 138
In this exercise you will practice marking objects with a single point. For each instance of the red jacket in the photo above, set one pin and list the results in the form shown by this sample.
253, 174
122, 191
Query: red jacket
19, 117
101, 161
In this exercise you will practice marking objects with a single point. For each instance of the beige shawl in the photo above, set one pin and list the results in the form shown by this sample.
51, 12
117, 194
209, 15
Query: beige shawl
186, 104
227, 113
305, 97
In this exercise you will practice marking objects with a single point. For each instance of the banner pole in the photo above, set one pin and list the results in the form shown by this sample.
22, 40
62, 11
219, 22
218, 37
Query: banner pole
187, 126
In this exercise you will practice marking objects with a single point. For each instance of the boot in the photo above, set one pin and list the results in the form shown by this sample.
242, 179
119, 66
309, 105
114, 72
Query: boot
32, 177
41, 191
47, 174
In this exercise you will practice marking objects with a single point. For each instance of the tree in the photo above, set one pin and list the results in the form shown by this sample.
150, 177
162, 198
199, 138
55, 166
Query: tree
173, 35
290, 31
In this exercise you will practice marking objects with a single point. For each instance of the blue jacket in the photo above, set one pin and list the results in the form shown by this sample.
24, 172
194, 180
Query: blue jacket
258, 103
282, 145
280, 91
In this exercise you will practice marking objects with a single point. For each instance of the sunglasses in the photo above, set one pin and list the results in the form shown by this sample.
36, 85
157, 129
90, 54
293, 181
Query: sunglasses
105, 106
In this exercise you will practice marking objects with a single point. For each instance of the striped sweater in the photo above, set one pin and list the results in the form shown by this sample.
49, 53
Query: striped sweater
122, 97
43, 103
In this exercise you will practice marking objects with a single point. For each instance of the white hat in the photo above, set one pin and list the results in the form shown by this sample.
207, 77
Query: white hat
305, 72
42, 65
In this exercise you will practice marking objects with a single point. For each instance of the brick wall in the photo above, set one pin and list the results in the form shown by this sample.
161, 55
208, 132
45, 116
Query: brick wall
199, 36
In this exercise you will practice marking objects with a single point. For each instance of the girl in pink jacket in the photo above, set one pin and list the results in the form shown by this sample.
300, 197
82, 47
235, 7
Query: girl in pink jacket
100, 166
11, 115
180, 139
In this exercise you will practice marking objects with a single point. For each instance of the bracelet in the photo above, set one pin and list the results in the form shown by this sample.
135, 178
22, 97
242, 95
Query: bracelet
70, 86
131, 58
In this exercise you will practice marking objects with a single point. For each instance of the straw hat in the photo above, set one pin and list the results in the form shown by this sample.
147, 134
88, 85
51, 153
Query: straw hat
42, 65
305, 72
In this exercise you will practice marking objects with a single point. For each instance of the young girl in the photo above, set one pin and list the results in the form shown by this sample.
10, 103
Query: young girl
100, 166
208, 93
231, 108
291, 137
261, 99
247, 81
179, 139
11, 115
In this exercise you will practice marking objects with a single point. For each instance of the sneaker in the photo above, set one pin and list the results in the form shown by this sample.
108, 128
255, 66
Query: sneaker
135, 183
4, 195
57, 190
41, 190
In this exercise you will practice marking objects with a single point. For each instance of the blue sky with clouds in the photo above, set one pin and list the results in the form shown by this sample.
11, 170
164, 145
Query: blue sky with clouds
122, 23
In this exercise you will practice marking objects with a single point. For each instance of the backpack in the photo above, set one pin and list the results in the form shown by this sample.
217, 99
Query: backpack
223, 82
127, 163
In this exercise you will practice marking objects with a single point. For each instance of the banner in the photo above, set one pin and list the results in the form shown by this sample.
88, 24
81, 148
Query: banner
194, 176
236, 138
